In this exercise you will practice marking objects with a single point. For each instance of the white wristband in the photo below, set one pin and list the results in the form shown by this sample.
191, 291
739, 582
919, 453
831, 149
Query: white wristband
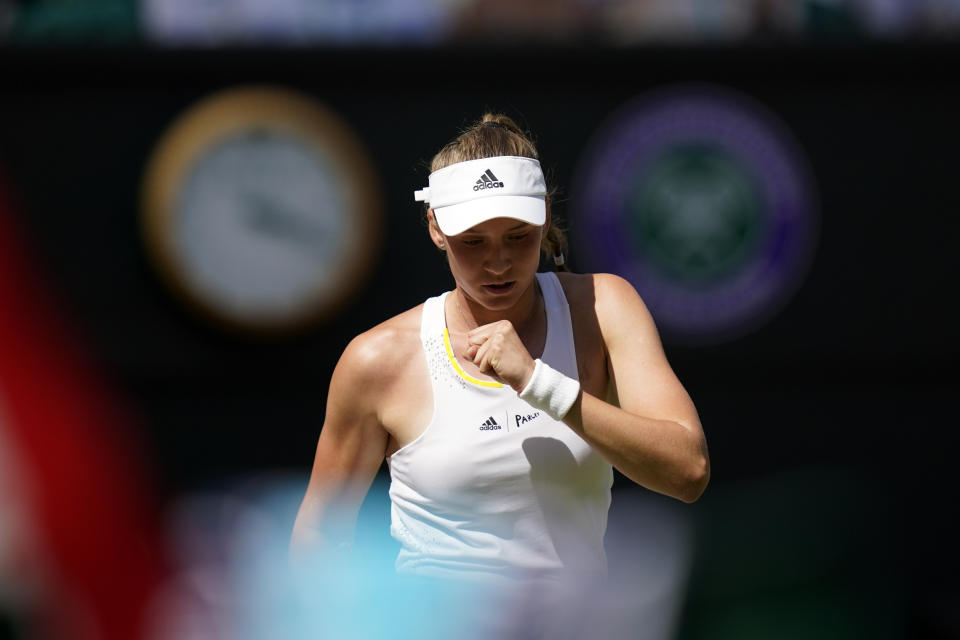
550, 391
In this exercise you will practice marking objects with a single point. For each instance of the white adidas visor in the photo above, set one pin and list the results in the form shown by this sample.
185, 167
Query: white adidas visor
465, 194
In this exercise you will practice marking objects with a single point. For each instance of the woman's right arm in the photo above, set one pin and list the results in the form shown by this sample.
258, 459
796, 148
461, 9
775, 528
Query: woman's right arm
349, 453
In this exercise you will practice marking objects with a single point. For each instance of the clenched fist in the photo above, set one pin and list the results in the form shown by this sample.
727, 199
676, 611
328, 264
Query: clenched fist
497, 351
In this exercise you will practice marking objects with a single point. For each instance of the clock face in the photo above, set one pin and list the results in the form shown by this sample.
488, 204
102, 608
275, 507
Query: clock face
269, 220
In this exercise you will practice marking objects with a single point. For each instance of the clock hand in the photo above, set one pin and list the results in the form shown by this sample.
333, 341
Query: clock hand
266, 217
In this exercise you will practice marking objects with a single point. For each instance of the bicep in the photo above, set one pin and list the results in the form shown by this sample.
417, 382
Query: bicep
642, 379
349, 453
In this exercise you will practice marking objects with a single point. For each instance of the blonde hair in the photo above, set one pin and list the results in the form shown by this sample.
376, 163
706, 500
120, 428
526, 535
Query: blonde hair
498, 135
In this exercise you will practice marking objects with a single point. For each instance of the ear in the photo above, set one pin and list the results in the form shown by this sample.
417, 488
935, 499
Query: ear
439, 240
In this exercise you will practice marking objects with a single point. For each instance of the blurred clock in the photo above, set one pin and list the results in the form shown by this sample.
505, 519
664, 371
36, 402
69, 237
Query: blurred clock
262, 210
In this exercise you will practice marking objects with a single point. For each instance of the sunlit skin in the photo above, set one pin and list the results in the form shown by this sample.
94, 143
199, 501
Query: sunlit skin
632, 409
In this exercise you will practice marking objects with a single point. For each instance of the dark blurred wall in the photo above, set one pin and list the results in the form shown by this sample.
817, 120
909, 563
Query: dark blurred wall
854, 376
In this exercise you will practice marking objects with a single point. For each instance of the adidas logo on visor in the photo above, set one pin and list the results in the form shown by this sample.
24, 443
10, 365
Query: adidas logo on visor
488, 181
458, 193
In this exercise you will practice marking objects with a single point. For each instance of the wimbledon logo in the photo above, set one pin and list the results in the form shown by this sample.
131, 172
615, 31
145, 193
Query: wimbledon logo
702, 200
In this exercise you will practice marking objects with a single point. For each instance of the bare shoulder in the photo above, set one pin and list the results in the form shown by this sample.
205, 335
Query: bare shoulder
615, 307
383, 352
373, 362
604, 293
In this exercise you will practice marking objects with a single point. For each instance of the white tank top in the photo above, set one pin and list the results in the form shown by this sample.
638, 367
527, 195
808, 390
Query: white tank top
494, 488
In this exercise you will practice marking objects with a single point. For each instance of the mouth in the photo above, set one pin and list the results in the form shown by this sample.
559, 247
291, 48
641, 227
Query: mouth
500, 287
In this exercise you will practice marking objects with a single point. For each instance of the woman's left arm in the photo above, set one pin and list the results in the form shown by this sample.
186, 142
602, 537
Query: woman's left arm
654, 437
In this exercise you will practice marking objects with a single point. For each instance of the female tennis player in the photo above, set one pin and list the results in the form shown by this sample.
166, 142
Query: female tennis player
501, 406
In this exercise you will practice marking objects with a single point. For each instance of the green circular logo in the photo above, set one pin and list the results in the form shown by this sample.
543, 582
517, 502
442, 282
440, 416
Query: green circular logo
697, 215
704, 201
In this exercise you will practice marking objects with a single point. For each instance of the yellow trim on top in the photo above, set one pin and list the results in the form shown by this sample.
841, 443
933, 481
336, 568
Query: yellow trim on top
456, 365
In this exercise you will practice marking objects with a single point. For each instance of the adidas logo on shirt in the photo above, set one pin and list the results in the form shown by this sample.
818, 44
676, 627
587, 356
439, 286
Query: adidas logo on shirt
488, 181
490, 425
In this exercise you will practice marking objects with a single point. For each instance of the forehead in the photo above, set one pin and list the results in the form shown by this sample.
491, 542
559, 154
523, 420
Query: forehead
499, 225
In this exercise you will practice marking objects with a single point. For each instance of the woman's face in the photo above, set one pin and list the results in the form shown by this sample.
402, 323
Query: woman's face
495, 262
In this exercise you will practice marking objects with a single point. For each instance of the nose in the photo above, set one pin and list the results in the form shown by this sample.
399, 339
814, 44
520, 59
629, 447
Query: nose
497, 260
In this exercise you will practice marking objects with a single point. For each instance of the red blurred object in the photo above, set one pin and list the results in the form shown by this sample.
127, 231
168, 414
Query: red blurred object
89, 498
